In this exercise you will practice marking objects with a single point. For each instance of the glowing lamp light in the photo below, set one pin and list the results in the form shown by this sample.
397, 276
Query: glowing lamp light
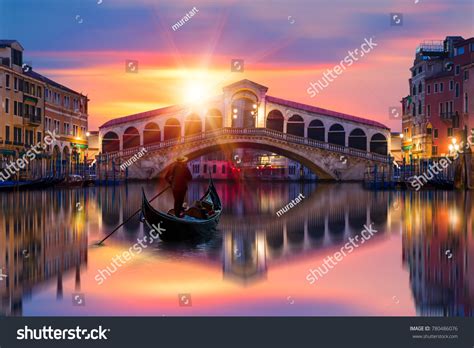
456, 147
254, 106
235, 111
451, 147
401, 135
234, 116
454, 140
88, 134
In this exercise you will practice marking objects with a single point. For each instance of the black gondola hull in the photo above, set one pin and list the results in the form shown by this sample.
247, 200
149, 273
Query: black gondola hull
172, 228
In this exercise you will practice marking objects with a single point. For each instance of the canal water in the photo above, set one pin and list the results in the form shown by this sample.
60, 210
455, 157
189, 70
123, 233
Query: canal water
419, 261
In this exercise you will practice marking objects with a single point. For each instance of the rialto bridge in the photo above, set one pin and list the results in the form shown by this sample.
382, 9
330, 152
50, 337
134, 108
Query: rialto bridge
331, 144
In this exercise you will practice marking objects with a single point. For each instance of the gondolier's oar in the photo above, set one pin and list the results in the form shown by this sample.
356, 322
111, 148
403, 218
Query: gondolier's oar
123, 223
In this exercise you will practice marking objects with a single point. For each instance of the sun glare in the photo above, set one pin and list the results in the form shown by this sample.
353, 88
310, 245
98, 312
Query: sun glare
195, 92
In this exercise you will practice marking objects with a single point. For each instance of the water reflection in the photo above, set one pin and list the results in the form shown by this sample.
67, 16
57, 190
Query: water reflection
44, 238
438, 250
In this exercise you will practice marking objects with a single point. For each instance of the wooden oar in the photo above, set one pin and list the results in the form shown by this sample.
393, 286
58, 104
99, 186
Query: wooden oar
135, 213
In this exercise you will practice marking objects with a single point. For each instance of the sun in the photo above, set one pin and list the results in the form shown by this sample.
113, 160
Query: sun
195, 92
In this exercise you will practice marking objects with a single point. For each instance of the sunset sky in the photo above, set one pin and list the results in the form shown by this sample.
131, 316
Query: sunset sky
285, 44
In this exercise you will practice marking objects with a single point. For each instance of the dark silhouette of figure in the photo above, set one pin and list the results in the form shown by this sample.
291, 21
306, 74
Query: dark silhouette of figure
178, 176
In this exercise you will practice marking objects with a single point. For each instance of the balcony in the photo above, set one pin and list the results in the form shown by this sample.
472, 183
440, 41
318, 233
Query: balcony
446, 116
431, 46
32, 120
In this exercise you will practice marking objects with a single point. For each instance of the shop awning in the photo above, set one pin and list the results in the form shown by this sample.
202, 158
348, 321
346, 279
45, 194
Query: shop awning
79, 146
30, 99
407, 147
7, 152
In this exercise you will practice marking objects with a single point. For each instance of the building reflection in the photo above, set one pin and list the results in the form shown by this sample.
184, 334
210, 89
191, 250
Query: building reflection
438, 250
41, 239
327, 216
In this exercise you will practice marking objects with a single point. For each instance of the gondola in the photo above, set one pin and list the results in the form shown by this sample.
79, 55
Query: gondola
186, 228
14, 185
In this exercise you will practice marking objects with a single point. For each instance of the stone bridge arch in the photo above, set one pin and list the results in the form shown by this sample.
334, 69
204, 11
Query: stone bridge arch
328, 165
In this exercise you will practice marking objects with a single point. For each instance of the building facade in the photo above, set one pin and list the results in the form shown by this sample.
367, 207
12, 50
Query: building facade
438, 110
32, 104
22, 103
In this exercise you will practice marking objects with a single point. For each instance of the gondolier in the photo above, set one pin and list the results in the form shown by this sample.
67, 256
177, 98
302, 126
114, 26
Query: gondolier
178, 176
188, 227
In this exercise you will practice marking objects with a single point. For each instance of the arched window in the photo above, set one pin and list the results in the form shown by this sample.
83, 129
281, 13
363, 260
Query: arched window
131, 138
244, 113
337, 135
110, 142
192, 125
378, 144
213, 120
172, 129
316, 130
151, 134
295, 125
66, 154
275, 120
358, 139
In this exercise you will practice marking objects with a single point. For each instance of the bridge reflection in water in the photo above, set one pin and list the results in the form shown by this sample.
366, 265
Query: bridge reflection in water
44, 239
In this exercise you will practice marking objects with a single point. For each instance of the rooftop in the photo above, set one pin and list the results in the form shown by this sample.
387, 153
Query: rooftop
8, 43
431, 46
309, 108
324, 112
143, 115
37, 76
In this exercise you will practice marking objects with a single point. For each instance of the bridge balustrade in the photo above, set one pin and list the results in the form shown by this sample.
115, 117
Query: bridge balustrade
251, 131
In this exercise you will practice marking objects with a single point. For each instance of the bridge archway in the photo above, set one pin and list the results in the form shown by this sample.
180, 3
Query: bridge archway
378, 144
358, 139
192, 125
172, 129
337, 135
244, 112
295, 126
131, 138
230, 145
316, 130
151, 134
214, 120
110, 142
275, 120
